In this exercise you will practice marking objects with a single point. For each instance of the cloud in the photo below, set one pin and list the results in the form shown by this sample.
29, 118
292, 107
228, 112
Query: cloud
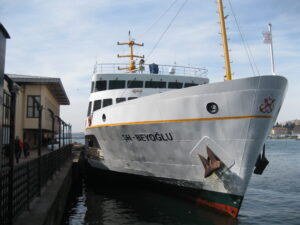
65, 38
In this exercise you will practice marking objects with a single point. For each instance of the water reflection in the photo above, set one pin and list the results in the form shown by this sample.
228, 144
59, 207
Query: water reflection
102, 200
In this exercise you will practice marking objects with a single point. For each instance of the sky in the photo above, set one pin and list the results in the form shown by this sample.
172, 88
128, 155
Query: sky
65, 38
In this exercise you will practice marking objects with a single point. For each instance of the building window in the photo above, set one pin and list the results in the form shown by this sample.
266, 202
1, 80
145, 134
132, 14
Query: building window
107, 102
118, 100
100, 85
155, 84
89, 109
175, 85
33, 102
135, 84
116, 84
131, 98
92, 87
97, 105
189, 85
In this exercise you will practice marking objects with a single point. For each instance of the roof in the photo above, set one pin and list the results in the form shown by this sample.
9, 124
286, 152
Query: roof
54, 85
279, 128
4, 31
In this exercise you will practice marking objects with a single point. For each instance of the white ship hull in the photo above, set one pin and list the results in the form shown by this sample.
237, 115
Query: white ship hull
161, 136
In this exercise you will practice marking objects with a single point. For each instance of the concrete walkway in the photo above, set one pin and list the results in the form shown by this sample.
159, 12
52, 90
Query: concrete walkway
48, 209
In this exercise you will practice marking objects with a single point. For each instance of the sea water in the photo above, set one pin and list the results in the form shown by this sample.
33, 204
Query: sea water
271, 198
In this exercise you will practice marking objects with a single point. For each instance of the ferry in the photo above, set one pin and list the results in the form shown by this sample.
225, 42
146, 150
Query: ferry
169, 124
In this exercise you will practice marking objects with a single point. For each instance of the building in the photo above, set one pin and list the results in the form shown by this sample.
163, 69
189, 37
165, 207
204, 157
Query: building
3, 36
279, 131
296, 122
22, 98
30, 108
33, 92
296, 130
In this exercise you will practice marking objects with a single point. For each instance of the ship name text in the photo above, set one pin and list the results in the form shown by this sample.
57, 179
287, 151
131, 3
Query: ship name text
155, 137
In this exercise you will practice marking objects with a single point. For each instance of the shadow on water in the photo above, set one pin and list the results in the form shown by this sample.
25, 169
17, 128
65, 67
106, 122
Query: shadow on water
101, 198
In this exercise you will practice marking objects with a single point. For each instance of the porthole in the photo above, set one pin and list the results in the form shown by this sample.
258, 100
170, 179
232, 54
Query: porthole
103, 118
212, 108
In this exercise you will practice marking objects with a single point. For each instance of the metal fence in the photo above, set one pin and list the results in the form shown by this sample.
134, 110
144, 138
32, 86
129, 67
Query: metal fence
21, 183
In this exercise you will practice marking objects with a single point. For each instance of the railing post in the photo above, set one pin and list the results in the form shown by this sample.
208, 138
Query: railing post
59, 131
71, 134
11, 157
63, 123
28, 180
68, 134
53, 122
40, 149
53, 135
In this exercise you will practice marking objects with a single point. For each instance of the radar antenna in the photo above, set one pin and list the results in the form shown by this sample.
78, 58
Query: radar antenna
131, 68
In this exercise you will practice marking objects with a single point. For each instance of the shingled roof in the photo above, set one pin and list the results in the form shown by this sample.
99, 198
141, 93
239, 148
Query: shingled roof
54, 85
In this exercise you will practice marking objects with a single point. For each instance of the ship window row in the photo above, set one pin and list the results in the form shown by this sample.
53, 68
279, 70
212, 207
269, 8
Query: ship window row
101, 85
98, 104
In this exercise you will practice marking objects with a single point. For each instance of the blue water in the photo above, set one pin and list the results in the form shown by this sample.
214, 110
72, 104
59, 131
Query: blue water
273, 198
78, 140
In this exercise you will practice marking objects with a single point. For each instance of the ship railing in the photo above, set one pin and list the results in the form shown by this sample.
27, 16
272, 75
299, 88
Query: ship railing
145, 69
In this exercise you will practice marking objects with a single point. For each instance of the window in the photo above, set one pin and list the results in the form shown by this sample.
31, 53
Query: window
92, 87
189, 85
97, 105
175, 85
107, 102
135, 84
155, 84
100, 85
33, 102
118, 100
89, 109
131, 98
116, 84
212, 108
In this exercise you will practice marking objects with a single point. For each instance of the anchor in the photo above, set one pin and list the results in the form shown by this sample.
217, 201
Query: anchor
211, 164
261, 162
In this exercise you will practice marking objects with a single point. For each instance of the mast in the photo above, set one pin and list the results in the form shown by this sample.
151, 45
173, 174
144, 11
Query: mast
224, 38
131, 68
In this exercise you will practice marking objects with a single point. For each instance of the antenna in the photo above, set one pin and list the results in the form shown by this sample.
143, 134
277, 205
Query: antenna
131, 68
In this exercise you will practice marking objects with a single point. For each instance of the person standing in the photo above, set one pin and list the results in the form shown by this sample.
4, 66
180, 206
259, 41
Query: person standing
26, 147
18, 149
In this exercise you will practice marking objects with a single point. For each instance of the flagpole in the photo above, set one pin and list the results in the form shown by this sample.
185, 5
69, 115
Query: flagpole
271, 50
